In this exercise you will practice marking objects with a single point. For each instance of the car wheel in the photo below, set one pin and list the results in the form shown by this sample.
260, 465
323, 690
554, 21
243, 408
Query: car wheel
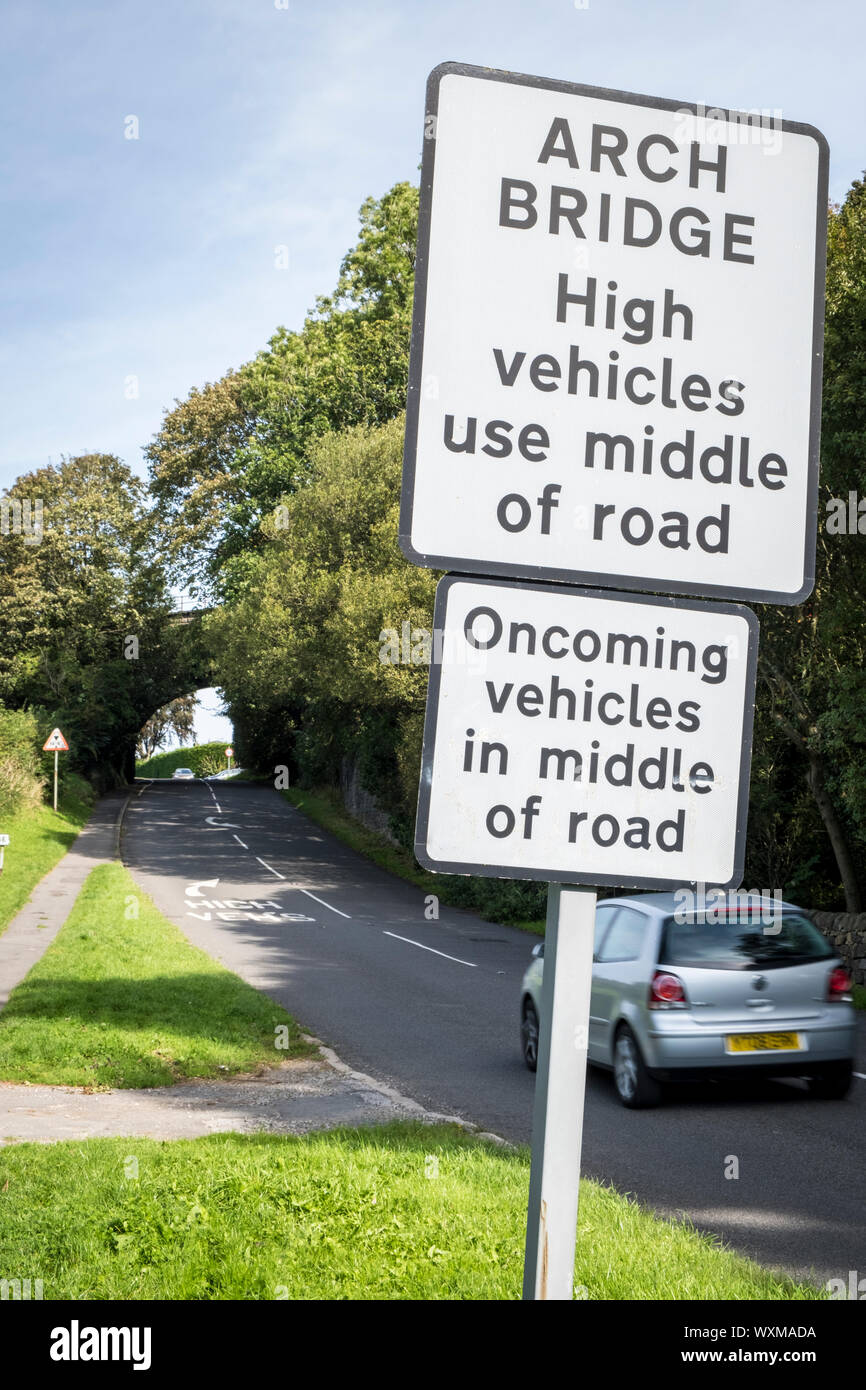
634, 1086
833, 1084
529, 1034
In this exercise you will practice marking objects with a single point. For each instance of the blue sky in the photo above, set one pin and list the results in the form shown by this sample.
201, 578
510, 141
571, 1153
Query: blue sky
261, 126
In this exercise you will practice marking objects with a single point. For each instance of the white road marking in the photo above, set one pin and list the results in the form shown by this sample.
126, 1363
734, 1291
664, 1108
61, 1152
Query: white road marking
471, 963
269, 869
227, 825
860, 1076
324, 904
193, 891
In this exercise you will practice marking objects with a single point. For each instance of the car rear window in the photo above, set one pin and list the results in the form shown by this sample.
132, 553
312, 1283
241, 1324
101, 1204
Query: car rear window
743, 941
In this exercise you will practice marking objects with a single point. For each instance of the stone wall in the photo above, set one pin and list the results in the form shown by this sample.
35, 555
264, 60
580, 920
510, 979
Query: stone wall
359, 803
847, 931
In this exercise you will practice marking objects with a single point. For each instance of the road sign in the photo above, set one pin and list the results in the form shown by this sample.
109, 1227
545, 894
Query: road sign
4, 840
586, 738
616, 351
55, 743
230, 752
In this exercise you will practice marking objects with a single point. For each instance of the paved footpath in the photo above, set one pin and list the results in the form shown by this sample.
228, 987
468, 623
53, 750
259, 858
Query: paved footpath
297, 1097
32, 931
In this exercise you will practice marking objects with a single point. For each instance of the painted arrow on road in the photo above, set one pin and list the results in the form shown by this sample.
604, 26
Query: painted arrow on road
194, 889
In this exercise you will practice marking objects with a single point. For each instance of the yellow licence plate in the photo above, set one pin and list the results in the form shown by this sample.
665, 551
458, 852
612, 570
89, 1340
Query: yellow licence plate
763, 1042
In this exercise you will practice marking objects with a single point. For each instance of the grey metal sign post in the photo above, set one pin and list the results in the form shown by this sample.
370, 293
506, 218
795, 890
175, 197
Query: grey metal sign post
557, 1124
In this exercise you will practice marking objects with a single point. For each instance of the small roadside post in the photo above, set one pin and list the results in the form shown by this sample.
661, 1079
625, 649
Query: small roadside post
614, 381
4, 841
55, 743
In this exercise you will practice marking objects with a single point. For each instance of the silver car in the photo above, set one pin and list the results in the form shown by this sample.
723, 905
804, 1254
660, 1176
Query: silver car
183, 774
737, 992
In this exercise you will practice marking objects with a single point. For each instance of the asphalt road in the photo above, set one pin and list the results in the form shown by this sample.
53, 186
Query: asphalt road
431, 1007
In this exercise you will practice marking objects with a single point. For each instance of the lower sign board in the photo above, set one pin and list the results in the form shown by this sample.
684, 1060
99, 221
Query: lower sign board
580, 737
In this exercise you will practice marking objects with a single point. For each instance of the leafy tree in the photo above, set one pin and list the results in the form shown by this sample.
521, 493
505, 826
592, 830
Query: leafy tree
308, 621
177, 718
195, 476
73, 597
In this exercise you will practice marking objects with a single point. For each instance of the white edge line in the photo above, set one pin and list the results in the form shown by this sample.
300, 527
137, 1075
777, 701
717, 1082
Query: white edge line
269, 869
861, 1076
324, 904
240, 841
420, 944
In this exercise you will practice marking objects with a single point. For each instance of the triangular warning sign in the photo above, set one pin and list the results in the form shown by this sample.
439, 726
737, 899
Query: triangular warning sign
55, 743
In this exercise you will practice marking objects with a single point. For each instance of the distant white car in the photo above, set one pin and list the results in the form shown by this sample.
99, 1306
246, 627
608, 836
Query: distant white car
183, 774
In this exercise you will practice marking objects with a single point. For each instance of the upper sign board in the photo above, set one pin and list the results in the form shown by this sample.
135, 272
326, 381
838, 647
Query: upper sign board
586, 737
616, 354
55, 743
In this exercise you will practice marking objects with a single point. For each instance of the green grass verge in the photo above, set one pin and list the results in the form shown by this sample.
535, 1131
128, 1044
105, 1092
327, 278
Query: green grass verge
122, 999
204, 759
405, 1211
325, 808
859, 994
38, 840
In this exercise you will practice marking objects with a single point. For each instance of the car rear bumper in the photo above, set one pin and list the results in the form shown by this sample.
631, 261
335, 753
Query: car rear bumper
698, 1051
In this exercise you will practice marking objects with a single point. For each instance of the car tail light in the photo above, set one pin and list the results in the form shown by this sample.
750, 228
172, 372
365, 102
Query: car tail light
666, 991
839, 984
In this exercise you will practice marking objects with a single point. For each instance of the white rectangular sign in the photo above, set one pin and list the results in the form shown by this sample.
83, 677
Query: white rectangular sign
616, 354
586, 738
